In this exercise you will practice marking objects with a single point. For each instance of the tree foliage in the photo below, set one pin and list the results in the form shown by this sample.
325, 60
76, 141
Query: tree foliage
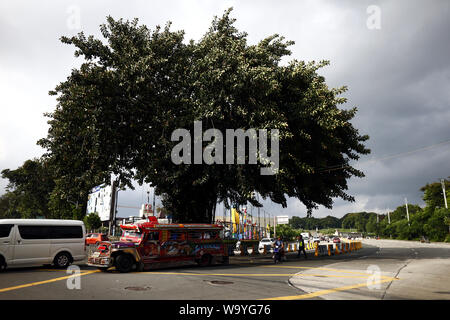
313, 223
432, 221
92, 221
115, 115
28, 190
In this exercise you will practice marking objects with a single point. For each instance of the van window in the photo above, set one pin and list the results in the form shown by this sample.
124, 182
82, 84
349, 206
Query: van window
66, 232
34, 232
5, 230
51, 232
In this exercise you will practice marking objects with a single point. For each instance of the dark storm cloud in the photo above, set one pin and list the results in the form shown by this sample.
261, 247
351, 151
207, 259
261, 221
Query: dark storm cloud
398, 77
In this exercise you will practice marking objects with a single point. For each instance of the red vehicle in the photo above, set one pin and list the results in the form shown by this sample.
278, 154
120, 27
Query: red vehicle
151, 245
96, 238
336, 240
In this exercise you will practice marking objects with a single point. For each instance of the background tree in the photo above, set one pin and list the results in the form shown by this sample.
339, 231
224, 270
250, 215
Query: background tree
9, 206
286, 232
433, 195
92, 221
28, 190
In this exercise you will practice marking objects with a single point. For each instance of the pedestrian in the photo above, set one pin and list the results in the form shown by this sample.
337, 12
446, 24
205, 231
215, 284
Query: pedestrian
278, 249
301, 246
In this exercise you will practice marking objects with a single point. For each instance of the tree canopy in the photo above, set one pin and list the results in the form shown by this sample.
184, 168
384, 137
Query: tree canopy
115, 115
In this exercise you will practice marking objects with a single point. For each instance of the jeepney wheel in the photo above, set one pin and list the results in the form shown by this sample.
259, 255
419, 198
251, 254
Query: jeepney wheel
124, 263
205, 260
225, 260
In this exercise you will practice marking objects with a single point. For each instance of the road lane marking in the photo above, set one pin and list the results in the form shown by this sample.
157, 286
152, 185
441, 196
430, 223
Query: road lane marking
262, 275
46, 281
324, 292
327, 269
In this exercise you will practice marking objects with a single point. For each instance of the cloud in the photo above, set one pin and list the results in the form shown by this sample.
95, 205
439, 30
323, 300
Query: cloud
398, 77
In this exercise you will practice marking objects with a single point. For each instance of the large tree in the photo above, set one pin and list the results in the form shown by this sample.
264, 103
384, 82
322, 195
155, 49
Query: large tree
117, 111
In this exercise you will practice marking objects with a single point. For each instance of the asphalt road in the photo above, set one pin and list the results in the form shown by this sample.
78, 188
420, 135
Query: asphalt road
380, 270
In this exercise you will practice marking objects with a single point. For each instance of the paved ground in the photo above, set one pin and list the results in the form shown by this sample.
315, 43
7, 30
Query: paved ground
406, 271
396, 270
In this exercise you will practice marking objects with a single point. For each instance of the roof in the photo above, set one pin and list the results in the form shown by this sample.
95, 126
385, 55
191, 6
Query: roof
153, 225
56, 222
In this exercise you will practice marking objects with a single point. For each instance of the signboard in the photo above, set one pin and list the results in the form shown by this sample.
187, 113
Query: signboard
282, 219
146, 210
99, 201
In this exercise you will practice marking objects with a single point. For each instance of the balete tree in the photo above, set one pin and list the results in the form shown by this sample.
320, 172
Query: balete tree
116, 114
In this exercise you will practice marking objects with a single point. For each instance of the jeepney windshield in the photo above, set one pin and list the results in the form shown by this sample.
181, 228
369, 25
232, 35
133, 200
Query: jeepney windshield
132, 233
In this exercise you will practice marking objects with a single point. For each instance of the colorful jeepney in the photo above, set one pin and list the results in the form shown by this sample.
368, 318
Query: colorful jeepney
150, 245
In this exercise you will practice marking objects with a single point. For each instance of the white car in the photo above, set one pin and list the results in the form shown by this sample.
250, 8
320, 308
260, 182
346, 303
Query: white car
265, 242
316, 239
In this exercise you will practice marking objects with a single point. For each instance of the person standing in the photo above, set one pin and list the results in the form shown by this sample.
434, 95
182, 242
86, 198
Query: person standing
301, 247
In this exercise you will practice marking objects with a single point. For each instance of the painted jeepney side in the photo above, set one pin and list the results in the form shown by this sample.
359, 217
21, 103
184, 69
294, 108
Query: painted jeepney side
165, 243
179, 245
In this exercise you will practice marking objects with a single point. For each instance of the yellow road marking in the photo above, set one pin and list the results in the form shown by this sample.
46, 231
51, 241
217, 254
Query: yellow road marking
324, 292
46, 281
222, 274
260, 275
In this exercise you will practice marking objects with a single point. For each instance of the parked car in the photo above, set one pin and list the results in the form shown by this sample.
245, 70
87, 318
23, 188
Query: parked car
316, 239
336, 240
35, 242
265, 242
96, 238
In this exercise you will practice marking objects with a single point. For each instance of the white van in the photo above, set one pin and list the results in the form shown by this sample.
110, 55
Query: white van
34, 242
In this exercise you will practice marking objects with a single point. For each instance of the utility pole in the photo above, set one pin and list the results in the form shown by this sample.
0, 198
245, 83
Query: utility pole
407, 211
445, 197
443, 191
265, 224
259, 219
154, 208
112, 210
274, 227
389, 218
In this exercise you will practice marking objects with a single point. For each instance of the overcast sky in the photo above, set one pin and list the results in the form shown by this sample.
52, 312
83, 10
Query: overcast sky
392, 55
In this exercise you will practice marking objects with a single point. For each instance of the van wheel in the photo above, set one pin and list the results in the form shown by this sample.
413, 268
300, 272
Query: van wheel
2, 264
62, 260
124, 263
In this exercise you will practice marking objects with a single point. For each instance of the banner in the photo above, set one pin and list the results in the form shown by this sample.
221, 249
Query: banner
235, 220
